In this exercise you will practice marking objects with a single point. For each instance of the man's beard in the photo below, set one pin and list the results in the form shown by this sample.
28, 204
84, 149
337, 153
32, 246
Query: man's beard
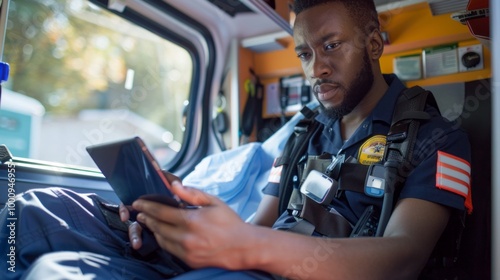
354, 93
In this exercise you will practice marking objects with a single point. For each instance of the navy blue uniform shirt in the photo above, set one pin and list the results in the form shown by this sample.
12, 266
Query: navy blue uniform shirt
443, 150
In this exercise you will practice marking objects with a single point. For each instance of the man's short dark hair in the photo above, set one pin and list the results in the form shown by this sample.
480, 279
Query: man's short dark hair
358, 11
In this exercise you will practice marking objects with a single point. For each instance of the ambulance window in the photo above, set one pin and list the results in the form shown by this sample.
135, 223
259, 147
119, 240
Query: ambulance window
81, 75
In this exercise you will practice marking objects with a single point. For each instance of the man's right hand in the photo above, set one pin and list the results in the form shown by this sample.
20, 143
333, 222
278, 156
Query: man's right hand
134, 229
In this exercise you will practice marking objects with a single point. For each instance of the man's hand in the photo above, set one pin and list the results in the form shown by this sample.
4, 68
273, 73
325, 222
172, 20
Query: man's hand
212, 235
135, 229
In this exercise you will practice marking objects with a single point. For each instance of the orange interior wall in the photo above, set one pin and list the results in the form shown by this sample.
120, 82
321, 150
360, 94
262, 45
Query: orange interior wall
386, 63
410, 30
278, 63
413, 28
246, 61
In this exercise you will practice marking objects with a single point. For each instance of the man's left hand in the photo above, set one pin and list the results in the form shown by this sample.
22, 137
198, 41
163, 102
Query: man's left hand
212, 235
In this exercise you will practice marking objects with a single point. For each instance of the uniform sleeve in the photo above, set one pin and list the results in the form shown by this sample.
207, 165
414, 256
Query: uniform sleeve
443, 174
271, 189
273, 184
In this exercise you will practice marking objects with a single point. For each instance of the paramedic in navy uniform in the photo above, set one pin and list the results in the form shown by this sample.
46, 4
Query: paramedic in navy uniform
339, 45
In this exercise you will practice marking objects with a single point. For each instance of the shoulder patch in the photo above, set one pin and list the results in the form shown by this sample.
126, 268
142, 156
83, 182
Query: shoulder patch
453, 174
372, 150
275, 175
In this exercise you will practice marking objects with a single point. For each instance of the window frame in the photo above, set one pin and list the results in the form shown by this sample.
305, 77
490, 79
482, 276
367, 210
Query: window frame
196, 140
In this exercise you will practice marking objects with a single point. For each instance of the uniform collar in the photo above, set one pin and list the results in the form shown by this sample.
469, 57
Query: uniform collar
382, 113
385, 107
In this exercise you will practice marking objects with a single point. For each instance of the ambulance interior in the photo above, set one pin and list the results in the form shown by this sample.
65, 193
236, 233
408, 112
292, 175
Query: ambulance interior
232, 79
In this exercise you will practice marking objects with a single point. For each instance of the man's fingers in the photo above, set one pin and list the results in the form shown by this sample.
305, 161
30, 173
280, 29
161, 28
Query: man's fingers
170, 177
134, 234
191, 195
174, 215
124, 213
153, 224
166, 234
160, 211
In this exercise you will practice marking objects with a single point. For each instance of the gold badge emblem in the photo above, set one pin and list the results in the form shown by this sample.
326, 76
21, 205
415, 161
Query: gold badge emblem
372, 151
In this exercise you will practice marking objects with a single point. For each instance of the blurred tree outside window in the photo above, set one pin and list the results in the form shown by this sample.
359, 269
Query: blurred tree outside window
96, 78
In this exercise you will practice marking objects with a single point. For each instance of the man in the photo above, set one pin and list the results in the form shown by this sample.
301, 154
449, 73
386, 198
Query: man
339, 45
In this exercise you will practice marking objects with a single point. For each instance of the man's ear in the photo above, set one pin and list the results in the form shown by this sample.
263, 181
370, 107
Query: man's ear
375, 44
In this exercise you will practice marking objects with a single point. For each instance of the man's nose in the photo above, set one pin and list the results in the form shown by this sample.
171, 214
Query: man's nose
320, 67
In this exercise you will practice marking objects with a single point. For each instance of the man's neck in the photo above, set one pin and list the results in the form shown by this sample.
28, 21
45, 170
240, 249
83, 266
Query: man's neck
350, 122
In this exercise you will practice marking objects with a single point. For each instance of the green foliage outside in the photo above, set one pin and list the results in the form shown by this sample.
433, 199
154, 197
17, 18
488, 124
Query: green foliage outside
71, 55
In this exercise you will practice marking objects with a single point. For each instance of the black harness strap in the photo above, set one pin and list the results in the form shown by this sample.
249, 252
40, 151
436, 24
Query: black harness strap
294, 150
326, 222
352, 177
408, 114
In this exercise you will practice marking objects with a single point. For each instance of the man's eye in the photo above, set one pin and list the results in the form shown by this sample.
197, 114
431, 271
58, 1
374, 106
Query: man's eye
303, 56
332, 46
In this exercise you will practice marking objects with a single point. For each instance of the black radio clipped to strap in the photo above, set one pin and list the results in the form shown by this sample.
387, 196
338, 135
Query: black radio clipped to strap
367, 224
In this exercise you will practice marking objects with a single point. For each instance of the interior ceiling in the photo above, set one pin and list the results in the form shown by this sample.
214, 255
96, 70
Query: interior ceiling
386, 2
249, 19
231, 7
437, 7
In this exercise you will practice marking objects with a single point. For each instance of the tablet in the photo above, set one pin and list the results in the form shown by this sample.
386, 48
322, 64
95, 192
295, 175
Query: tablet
132, 171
